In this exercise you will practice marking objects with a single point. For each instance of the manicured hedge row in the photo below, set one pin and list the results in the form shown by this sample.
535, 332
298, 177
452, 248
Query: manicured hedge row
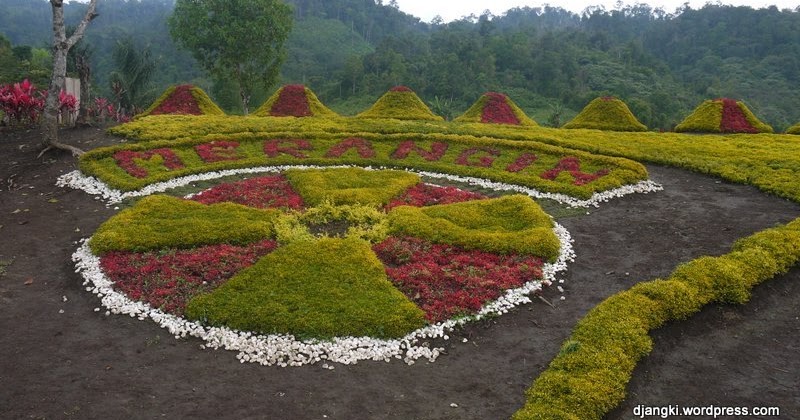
510, 224
536, 165
350, 185
158, 222
588, 377
400, 103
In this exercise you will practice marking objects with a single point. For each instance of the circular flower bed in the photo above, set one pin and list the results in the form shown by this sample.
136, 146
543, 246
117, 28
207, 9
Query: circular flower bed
309, 265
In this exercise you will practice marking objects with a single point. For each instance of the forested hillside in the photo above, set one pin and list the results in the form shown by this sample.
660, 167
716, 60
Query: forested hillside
550, 61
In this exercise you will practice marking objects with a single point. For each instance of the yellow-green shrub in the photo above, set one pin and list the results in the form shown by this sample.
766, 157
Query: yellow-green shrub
298, 290
350, 185
795, 129
606, 113
159, 221
401, 104
704, 119
510, 224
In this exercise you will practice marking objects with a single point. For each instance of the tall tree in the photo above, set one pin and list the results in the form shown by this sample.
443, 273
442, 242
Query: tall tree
61, 46
134, 69
240, 39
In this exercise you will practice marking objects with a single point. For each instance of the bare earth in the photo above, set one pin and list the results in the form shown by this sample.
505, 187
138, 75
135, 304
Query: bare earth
83, 364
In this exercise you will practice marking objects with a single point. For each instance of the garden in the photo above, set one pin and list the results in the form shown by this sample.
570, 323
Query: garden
486, 267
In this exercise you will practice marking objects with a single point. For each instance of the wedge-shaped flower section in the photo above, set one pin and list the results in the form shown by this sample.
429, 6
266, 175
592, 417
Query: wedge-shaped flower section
294, 101
183, 99
722, 116
350, 185
510, 224
496, 108
606, 113
159, 221
400, 103
312, 289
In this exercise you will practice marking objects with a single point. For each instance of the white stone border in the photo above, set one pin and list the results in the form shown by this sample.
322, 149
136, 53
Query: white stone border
93, 186
285, 350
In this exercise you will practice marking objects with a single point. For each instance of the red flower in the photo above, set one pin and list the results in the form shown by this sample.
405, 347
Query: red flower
428, 195
181, 101
733, 119
291, 147
572, 165
125, 160
263, 192
364, 148
167, 280
485, 161
522, 162
445, 281
405, 148
217, 151
497, 110
292, 102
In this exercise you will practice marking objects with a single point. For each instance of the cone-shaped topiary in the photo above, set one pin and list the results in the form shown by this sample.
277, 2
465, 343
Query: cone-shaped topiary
722, 116
496, 108
606, 113
294, 101
183, 99
400, 103
795, 129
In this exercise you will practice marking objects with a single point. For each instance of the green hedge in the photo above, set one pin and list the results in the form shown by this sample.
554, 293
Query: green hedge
588, 377
298, 290
350, 185
510, 224
401, 105
160, 221
606, 113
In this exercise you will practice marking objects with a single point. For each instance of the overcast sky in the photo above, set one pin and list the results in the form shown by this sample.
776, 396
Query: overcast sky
454, 9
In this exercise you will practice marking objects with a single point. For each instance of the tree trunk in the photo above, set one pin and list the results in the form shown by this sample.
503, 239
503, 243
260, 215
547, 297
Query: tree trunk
245, 101
85, 76
61, 45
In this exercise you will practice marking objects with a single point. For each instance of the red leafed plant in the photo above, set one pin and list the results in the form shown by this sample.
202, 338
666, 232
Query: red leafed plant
446, 281
21, 101
405, 148
67, 101
181, 101
400, 89
292, 102
497, 110
364, 148
427, 195
522, 162
218, 151
572, 165
168, 280
486, 157
263, 192
125, 160
733, 119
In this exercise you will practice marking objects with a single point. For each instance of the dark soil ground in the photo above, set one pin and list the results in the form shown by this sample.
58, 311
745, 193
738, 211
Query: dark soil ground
60, 359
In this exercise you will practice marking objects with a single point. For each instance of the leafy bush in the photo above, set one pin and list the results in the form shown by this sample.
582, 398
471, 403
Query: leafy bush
297, 290
795, 129
510, 224
159, 221
400, 103
606, 113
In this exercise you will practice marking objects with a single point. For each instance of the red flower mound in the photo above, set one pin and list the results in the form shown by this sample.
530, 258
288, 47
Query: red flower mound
180, 102
168, 281
262, 192
292, 102
572, 165
733, 119
497, 110
428, 195
445, 281
400, 89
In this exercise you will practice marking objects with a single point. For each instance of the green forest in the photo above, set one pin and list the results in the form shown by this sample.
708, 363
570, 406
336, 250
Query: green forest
550, 61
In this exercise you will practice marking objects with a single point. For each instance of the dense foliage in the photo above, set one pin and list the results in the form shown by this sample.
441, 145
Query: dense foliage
550, 61
606, 113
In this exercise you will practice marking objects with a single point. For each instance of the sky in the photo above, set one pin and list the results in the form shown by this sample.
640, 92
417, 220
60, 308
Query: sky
451, 10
